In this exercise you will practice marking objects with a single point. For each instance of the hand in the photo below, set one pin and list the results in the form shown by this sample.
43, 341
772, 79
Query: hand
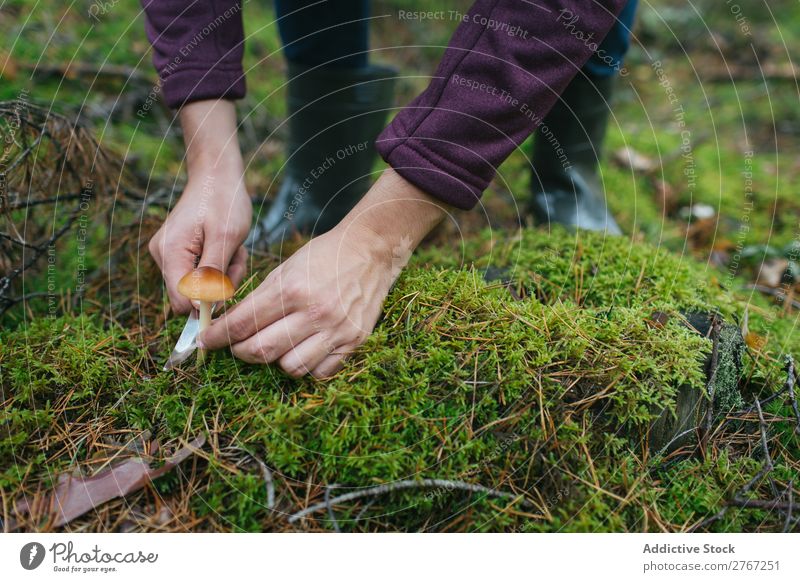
324, 301
213, 216
210, 221
312, 310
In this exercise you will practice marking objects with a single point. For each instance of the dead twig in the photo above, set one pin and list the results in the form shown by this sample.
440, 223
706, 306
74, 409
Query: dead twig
773, 291
787, 387
270, 485
790, 496
266, 473
402, 485
29, 204
331, 513
767, 467
75, 70
674, 439
53, 164
364, 509
709, 520
768, 504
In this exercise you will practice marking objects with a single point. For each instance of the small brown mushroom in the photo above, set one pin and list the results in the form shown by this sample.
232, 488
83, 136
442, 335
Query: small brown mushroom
206, 285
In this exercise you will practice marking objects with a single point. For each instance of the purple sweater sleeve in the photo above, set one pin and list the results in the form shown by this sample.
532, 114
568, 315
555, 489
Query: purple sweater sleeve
197, 48
505, 67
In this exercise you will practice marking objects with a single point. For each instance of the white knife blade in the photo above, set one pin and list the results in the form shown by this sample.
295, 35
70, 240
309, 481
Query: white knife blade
187, 342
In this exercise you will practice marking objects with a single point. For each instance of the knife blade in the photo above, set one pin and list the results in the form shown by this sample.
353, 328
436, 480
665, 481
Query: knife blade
187, 342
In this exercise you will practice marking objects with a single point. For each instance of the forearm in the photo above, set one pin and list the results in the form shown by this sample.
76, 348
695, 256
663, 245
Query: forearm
212, 145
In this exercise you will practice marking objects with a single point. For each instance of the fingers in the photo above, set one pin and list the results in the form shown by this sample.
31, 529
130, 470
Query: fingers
219, 249
329, 366
272, 342
315, 355
174, 264
238, 266
269, 303
255, 312
308, 355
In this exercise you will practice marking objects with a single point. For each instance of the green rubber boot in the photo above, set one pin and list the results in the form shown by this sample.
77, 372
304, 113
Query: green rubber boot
334, 117
565, 185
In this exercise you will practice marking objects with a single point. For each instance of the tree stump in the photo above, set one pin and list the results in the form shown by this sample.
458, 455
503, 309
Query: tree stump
674, 429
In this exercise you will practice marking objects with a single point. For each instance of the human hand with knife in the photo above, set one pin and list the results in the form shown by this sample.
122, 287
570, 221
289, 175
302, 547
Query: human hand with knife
213, 215
208, 225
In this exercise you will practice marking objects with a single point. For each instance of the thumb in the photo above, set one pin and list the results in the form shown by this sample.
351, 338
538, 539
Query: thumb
218, 250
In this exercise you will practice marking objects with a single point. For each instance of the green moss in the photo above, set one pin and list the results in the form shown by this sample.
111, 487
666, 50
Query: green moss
459, 381
726, 396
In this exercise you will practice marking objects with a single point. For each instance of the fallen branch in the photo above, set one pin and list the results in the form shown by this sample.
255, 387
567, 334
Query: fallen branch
677, 437
766, 467
768, 504
31, 203
331, 513
73, 70
401, 485
790, 496
266, 473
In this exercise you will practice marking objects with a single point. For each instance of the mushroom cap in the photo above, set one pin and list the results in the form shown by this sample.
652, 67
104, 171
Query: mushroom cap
206, 284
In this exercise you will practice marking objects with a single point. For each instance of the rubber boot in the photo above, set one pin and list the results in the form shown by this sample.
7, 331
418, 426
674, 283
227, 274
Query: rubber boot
565, 186
334, 117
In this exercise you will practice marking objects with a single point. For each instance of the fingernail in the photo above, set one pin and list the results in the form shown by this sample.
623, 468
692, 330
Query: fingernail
200, 344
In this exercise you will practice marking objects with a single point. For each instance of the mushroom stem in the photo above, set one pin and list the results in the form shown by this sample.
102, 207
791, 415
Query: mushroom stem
205, 321
207, 286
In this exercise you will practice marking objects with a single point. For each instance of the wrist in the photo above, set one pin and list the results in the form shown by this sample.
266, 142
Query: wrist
217, 190
220, 164
228, 177
394, 213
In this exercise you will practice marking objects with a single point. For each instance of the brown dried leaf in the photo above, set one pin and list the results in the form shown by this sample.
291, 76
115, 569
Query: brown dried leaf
658, 319
75, 495
755, 341
666, 197
8, 66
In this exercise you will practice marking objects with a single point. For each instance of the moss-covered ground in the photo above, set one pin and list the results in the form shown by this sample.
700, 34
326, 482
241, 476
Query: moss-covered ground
548, 397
